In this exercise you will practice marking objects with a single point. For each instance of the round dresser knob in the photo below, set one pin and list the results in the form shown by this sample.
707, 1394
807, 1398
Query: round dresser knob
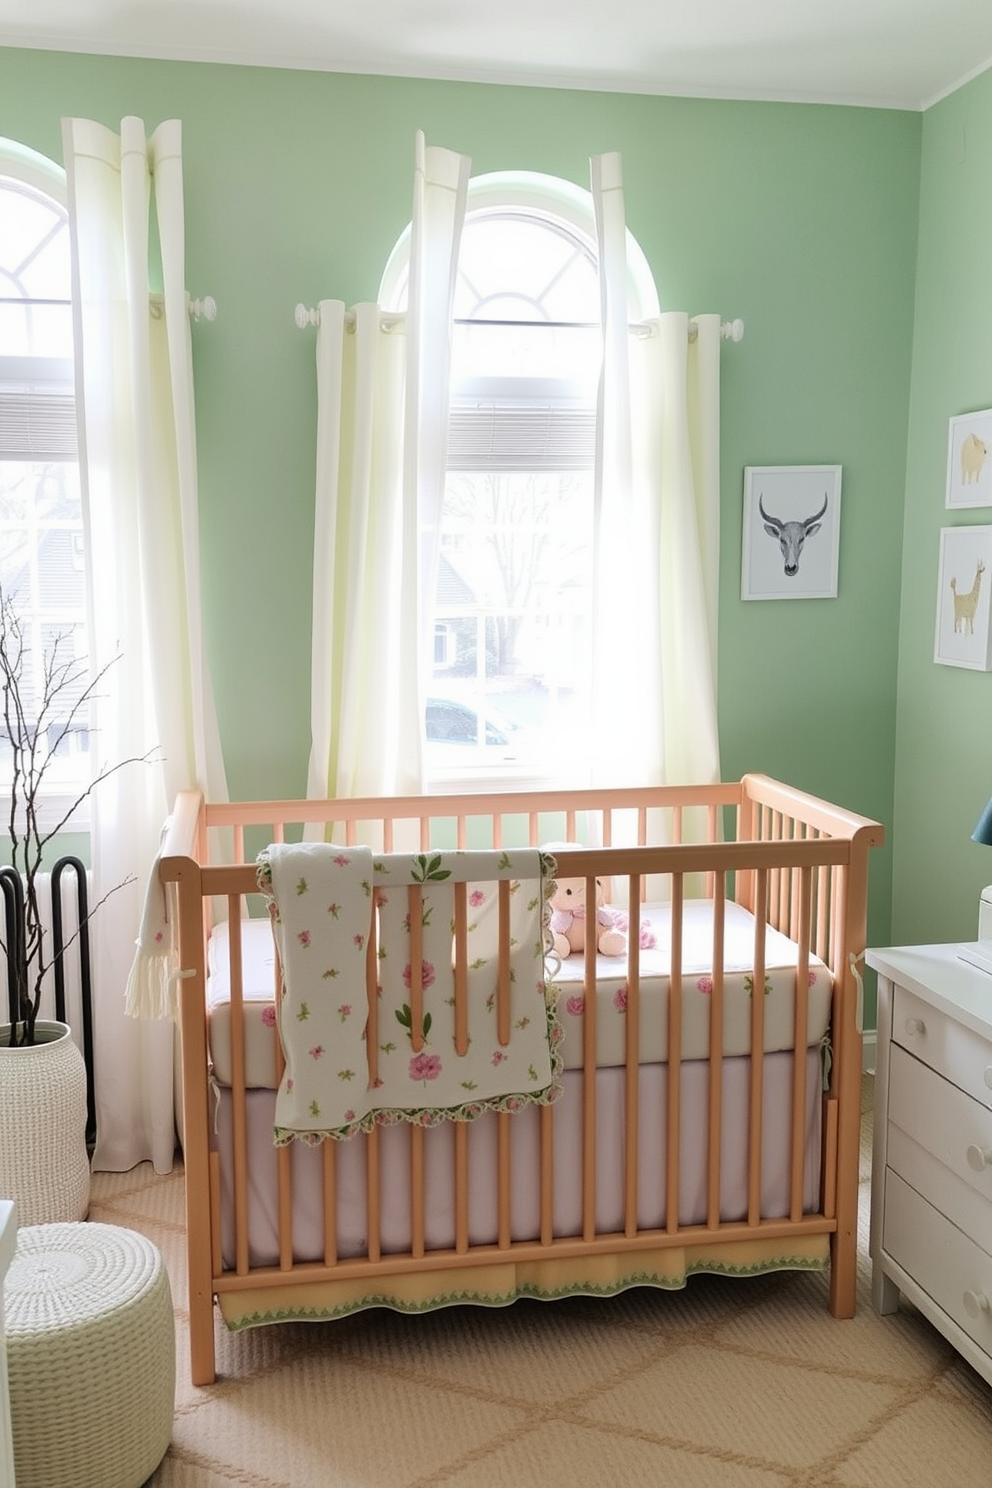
975, 1303
915, 1025
979, 1158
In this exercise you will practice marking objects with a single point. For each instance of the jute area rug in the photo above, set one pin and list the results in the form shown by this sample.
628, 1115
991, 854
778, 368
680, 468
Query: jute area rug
727, 1384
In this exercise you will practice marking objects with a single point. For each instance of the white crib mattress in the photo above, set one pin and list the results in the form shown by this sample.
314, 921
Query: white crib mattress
781, 959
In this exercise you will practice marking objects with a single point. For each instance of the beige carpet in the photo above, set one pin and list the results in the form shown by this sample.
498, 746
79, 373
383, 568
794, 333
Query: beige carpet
741, 1384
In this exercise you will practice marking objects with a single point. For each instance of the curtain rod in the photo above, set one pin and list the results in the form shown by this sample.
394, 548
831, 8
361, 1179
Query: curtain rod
732, 330
205, 309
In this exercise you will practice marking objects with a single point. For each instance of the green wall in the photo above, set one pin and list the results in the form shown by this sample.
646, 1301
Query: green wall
802, 220
944, 714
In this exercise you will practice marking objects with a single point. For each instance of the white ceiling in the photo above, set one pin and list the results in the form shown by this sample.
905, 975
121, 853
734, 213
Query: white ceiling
880, 53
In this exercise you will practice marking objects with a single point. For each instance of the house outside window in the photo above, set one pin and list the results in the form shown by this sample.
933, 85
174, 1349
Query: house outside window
42, 555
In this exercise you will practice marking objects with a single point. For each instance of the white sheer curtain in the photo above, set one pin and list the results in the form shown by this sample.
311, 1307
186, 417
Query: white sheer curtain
657, 543
138, 464
382, 411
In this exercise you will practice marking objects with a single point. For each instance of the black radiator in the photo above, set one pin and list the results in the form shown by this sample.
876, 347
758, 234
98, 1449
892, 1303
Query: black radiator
12, 887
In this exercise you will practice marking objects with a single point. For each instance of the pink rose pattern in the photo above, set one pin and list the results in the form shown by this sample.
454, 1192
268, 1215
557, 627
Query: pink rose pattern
428, 975
426, 1065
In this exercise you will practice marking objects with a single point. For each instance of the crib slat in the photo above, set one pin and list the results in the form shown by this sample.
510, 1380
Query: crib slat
461, 1187
796, 894
503, 1120
547, 1174
799, 1048
373, 1200
633, 1049
417, 1245
823, 912
285, 1180
239, 1127
672, 1158
714, 1144
712, 825
503, 984
416, 902
589, 1077
372, 990
461, 968
757, 1051
329, 1152
216, 1241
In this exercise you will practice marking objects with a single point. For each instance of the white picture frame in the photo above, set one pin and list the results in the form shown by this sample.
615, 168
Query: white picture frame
964, 583
969, 460
791, 535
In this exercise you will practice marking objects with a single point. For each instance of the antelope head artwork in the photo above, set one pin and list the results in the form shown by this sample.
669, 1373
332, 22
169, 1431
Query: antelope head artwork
792, 535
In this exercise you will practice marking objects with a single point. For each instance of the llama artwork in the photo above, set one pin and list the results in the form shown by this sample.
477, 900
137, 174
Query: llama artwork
965, 605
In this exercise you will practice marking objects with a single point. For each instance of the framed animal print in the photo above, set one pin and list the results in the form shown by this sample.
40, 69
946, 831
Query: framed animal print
969, 460
791, 535
964, 579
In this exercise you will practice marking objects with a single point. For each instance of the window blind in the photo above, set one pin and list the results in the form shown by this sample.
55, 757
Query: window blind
493, 436
37, 426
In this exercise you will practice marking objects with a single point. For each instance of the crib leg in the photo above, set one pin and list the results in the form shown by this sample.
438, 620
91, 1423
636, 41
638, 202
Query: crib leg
844, 1272
844, 1240
202, 1362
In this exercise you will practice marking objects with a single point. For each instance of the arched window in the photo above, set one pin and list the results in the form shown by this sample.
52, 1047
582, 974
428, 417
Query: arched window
42, 569
513, 602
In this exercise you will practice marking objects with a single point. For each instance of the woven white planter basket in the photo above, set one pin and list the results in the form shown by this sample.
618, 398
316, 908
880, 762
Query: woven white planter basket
43, 1159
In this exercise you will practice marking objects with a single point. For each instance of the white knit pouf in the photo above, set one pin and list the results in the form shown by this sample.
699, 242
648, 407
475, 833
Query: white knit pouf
91, 1355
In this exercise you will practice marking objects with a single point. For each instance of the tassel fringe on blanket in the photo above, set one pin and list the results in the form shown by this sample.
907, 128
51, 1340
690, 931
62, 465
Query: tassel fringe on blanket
151, 984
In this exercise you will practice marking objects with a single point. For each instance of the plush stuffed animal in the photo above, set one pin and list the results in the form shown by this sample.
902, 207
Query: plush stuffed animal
569, 917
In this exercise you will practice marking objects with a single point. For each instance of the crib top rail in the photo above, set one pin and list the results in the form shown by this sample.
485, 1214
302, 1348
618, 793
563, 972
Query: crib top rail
755, 809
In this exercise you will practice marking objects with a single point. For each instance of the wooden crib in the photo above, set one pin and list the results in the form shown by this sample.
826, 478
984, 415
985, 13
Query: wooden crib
689, 1136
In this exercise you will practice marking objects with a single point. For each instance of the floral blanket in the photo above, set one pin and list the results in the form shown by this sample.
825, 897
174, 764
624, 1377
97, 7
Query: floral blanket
430, 1060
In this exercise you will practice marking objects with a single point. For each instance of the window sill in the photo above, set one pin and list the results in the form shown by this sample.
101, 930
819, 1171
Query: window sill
52, 809
482, 778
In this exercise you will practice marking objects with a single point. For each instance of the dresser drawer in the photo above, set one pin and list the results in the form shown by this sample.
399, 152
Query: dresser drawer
940, 1141
954, 1051
949, 1267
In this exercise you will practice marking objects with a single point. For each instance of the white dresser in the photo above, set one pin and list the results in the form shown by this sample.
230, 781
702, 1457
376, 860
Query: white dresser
931, 1189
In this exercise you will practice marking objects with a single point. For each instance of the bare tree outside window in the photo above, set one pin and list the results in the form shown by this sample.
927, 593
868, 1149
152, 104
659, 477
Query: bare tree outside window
514, 589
